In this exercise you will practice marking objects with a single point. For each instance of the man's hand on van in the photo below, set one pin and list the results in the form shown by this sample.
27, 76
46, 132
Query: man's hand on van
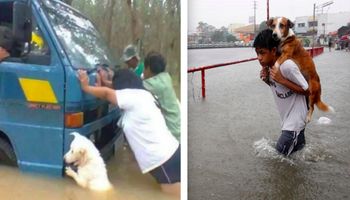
104, 76
99, 92
83, 78
98, 80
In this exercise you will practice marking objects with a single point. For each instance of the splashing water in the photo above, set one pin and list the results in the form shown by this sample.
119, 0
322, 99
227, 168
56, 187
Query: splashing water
265, 148
324, 120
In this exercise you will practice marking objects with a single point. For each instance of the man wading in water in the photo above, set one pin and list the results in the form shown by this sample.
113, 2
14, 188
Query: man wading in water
289, 88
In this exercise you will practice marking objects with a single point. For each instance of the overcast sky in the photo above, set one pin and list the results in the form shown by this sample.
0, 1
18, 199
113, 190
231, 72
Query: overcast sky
224, 12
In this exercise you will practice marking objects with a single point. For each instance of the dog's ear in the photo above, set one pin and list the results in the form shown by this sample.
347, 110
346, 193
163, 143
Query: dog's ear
269, 22
290, 24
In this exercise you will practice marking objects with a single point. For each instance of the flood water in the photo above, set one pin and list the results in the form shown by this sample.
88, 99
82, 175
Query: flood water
232, 133
123, 172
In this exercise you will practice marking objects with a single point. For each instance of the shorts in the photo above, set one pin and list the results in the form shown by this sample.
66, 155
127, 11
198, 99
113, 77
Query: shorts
169, 172
290, 141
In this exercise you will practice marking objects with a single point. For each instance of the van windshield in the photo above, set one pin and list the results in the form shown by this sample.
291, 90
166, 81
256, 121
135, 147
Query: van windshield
80, 39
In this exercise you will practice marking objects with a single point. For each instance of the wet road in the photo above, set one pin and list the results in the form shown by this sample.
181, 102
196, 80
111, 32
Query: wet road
233, 131
123, 172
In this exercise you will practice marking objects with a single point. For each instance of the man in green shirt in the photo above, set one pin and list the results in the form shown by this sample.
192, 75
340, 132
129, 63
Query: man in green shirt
159, 83
132, 59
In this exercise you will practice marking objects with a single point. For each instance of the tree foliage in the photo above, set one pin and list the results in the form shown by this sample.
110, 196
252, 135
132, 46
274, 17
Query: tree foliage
231, 38
218, 36
262, 26
149, 24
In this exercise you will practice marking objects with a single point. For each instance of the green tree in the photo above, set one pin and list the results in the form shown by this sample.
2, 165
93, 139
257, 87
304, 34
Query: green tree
262, 26
150, 24
218, 36
231, 38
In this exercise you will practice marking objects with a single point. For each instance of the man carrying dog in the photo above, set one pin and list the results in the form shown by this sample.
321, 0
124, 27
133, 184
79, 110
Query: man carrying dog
6, 42
289, 88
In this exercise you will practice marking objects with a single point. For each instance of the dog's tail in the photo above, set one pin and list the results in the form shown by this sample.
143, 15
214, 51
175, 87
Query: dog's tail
324, 107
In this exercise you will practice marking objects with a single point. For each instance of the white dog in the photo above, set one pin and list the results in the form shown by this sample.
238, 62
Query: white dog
91, 172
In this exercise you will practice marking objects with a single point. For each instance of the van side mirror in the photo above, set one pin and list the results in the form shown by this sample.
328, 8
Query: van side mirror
22, 23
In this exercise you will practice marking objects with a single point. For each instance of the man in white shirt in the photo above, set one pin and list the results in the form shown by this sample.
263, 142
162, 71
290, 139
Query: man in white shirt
156, 150
289, 88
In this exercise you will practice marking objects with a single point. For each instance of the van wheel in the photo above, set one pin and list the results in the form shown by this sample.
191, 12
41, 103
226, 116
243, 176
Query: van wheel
7, 155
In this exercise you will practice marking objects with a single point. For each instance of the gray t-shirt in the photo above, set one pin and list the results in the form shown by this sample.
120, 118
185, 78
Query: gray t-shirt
291, 106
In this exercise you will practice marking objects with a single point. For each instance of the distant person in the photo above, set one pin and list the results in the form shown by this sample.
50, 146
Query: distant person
289, 88
6, 43
156, 150
132, 59
330, 42
159, 83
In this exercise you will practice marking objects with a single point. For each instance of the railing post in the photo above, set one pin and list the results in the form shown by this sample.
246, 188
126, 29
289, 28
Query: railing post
203, 83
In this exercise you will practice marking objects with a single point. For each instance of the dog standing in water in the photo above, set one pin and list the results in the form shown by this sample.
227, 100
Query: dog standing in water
291, 48
91, 170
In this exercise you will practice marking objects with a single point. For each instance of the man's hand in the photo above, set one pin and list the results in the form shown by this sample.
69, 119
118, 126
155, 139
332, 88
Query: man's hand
264, 74
105, 77
83, 78
276, 74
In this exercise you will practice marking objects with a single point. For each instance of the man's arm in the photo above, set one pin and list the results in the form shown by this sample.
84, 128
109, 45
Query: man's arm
99, 92
277, 76
264, 75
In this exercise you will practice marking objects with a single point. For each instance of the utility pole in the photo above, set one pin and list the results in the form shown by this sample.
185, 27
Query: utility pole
268, 7
254, 18
314, 20
313, 28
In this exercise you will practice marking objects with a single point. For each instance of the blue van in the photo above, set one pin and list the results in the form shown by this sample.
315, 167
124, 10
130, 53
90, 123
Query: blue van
41, 101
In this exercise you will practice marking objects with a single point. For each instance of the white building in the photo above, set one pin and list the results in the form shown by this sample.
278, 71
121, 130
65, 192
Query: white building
324, 23
331, 22
301, 25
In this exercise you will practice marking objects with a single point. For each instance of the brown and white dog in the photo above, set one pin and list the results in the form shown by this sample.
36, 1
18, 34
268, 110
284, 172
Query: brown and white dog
291, 48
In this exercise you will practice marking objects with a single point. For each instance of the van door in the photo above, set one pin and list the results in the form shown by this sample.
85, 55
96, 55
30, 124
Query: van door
32, 103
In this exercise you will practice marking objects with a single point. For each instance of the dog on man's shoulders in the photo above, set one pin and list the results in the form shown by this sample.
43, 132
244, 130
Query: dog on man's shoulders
291, 48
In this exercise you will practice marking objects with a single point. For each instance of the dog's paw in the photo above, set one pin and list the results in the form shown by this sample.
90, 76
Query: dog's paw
308, 119
70, 172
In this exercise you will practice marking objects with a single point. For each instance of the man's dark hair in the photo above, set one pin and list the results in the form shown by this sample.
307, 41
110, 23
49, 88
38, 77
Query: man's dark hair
126, 79
156, 62
264, 40
6, 38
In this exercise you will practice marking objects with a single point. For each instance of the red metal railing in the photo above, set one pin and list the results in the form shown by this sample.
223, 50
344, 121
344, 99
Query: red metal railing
313, 52
202, 69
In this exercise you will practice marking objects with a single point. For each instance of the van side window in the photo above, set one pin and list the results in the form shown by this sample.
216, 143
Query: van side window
39, 53
39, 49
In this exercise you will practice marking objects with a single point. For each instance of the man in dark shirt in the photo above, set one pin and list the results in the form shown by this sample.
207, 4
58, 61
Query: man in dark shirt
6, 42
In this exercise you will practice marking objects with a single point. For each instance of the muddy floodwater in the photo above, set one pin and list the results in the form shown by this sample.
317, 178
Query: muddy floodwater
232, 133
129, 184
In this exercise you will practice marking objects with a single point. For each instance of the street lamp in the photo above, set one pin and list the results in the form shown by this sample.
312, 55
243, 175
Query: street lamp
321, 6
325, 5
324, 29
